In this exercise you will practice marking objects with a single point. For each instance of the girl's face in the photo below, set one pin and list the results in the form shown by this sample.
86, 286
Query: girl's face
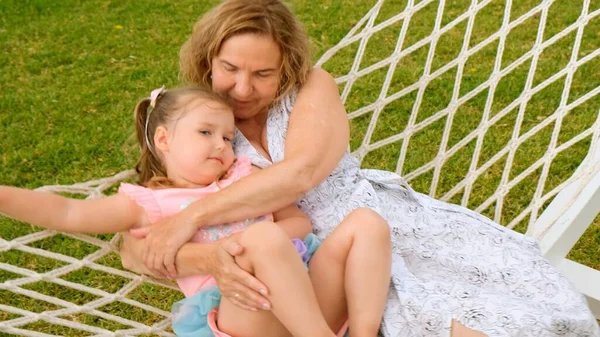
247, 71
196, 148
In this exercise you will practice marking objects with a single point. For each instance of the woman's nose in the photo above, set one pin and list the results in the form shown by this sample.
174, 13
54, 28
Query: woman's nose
243, 86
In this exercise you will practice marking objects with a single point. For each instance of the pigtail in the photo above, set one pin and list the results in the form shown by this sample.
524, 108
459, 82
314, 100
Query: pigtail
140, 116
148, 166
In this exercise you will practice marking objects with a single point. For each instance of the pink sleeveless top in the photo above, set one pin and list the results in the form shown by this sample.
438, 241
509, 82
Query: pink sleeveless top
163, 203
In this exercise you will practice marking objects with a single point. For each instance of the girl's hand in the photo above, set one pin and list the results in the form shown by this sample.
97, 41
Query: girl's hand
236, 284
162, 241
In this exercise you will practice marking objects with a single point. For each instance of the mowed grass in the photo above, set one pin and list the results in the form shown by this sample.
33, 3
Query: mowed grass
71, 72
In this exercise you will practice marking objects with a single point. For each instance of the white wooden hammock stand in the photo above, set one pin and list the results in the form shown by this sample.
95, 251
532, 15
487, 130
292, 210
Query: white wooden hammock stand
575, 202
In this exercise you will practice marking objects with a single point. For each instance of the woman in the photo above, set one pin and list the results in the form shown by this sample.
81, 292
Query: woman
450, 264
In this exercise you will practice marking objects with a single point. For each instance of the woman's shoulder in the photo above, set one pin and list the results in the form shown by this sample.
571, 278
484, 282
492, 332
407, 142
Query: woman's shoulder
317, 78
319, 74
320, 87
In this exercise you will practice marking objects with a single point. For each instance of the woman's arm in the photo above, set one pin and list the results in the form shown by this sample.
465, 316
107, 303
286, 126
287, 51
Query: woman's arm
317, 138
216, 259
194, 259
291, 219
187, 257
105, 215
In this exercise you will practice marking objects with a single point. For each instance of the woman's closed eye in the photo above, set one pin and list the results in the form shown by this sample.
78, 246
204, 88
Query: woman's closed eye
205, 132
262, 74
229, 68
227, 139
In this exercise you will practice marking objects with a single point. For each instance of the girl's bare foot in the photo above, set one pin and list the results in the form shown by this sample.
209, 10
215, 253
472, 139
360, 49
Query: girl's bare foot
459, 330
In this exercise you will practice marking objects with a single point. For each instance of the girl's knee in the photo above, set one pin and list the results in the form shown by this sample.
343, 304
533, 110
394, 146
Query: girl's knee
366, 220
366, 214
264, 236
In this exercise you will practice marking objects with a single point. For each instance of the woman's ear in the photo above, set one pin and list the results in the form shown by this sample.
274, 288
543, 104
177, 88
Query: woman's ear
161, 139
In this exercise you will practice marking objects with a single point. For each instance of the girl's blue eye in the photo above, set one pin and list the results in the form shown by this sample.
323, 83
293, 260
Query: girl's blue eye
205, 132
227, 139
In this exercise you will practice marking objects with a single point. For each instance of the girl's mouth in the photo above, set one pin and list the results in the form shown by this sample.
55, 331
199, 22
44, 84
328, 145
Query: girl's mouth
217, 159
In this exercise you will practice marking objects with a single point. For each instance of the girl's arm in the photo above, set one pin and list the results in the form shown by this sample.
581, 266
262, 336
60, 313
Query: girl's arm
105, 215
317, 138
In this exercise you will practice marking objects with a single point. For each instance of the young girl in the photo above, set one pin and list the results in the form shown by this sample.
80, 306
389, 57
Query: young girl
185, 136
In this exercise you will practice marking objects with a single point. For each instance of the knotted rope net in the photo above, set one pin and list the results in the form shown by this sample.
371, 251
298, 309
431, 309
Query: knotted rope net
471, 112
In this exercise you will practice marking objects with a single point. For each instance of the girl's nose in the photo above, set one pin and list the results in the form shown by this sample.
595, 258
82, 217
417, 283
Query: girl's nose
219, 143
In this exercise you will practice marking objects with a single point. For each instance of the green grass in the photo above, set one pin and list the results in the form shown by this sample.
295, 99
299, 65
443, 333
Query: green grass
71, 72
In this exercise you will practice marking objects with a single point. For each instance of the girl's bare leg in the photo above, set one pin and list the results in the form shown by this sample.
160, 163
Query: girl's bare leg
351, 273
273, 259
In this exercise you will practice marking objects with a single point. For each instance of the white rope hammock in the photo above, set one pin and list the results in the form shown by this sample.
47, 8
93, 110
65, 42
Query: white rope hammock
582, 188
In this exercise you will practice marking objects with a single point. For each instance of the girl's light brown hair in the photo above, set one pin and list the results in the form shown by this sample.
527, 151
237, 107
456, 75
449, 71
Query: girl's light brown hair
170, 105
233, 17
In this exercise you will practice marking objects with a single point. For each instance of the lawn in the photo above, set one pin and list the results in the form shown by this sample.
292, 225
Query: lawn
72, 71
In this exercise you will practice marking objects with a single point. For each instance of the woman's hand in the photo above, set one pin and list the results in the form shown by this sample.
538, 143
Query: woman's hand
162, 241
236, 284
131, 252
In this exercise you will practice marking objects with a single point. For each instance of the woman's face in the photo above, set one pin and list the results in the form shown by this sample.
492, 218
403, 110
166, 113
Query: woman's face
247, 71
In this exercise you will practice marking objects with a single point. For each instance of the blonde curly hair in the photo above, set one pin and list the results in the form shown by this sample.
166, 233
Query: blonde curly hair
233, 17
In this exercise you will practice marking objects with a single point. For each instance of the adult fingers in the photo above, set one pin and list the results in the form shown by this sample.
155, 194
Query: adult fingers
240, 304
250, 290
259, 290
237, 292
233, 248
251, 298
155, 265
170, 264
148, 259
235, 272
232, 288
149, 263
159, 264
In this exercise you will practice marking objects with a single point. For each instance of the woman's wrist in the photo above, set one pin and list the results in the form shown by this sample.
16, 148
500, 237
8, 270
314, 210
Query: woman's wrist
196, 258
193, 216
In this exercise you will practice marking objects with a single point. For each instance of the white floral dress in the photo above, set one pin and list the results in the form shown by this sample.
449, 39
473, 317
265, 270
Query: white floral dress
448, 262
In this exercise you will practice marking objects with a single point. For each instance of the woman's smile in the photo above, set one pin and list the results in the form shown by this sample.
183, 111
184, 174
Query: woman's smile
241, 103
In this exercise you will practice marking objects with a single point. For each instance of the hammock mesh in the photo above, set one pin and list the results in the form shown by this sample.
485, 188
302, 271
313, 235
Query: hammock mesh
401, 124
